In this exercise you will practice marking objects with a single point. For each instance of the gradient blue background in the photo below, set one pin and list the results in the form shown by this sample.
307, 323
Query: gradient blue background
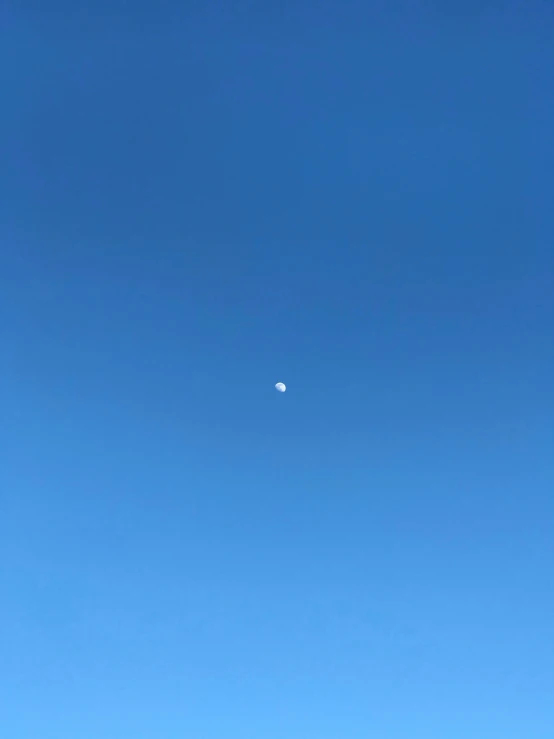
199, 200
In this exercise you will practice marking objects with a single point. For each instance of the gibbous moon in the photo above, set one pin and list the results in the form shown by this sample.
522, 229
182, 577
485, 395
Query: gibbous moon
281, 387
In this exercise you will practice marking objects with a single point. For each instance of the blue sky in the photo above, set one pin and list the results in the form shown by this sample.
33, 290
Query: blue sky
200, 200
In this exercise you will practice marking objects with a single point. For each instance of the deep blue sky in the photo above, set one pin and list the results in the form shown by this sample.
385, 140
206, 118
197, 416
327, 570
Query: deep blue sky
199, 200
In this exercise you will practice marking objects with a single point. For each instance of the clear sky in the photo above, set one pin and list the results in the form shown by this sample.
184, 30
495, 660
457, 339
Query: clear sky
201, 199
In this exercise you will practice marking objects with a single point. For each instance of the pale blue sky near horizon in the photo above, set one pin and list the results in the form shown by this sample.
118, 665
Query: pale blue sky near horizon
200, 200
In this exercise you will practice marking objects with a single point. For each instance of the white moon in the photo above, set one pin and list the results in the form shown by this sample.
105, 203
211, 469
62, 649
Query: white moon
281, 387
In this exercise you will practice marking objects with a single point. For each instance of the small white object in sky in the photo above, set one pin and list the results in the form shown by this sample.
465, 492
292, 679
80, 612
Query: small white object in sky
281, 387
